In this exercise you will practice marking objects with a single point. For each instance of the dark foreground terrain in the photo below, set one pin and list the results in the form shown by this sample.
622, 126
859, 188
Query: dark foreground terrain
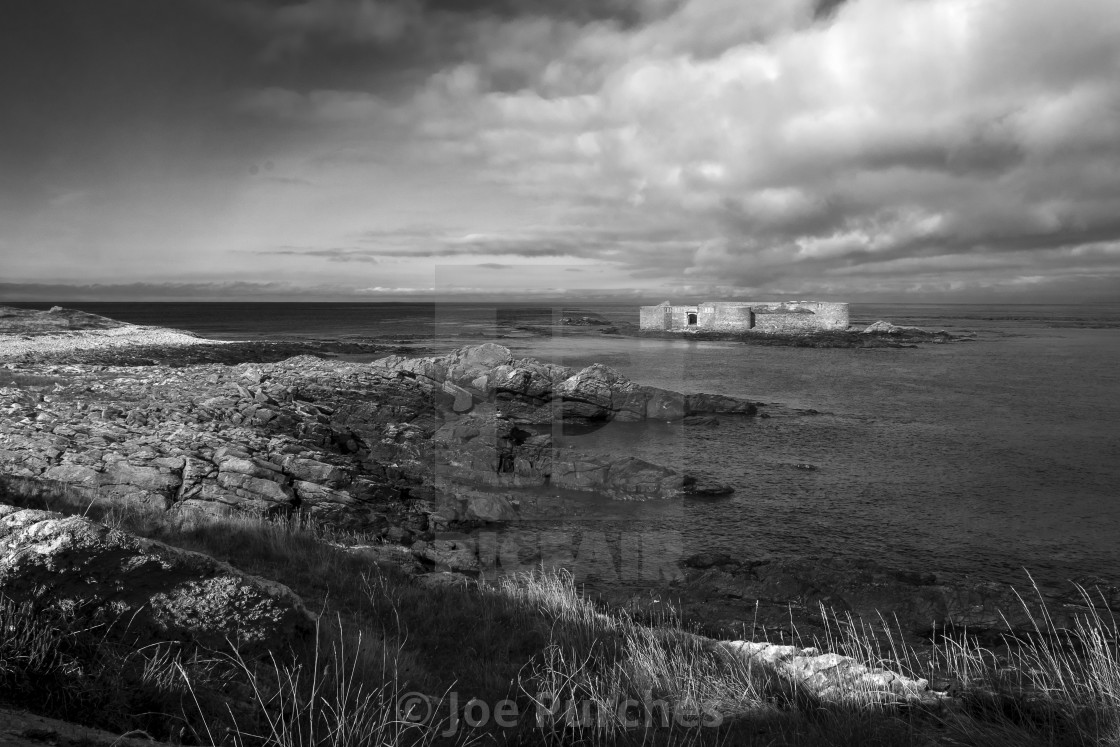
280, 552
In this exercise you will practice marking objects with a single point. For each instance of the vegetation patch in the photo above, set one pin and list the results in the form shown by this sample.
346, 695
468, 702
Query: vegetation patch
570, 671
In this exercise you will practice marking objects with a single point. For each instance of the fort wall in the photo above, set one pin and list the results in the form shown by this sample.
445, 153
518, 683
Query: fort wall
746, 316
656, 317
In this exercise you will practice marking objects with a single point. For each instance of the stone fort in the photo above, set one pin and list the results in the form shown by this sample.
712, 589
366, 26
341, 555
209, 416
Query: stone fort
746, 316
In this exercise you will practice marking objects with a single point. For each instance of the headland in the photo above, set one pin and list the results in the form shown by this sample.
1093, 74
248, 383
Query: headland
389, 468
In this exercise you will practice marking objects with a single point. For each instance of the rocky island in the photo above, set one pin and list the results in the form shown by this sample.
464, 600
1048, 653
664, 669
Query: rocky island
390, 465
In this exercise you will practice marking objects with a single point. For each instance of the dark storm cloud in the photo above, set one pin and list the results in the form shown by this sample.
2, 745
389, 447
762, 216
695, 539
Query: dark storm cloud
626, 12
826, 8
100, 95
391, 45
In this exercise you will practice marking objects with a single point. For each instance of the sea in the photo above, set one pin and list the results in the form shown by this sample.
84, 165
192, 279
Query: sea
995, 458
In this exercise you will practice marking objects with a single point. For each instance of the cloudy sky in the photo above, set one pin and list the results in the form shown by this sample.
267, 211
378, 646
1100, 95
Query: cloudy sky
898, 150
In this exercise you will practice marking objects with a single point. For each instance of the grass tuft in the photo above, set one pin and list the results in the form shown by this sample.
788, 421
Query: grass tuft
576, 672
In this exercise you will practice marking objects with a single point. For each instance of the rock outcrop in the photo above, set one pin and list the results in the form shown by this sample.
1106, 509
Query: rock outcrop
887, 328
141, 589
362, 446
832, 677
530, 392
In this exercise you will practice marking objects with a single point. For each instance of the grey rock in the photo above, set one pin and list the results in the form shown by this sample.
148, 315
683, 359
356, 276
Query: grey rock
832, 677
251, 467
256, 487
462, 401
665, 405
73, 474
599, 392
152, 479
449, 554
313, 493
149, 591
311, 470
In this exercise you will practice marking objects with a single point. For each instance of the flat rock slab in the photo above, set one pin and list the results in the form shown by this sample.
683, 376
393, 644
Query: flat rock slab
832, 677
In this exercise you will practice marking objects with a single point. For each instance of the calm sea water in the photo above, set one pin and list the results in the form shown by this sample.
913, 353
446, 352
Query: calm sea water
982, 458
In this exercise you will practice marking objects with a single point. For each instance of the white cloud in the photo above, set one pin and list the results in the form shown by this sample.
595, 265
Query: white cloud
798, 145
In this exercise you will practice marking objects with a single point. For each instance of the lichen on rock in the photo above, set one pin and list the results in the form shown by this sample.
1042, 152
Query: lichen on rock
143, 590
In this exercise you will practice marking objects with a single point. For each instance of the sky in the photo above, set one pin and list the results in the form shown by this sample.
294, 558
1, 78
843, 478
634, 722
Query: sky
861, 150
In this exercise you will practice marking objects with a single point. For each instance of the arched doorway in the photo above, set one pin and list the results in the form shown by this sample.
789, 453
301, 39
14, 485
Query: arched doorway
691, 319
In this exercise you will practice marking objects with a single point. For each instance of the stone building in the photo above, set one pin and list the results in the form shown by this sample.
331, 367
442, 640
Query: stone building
746, 316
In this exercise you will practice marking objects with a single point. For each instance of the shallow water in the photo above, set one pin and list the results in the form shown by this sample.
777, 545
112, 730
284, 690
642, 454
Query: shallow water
982, 458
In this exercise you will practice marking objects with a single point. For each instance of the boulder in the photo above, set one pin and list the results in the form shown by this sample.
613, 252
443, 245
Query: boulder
147, 486
462, 367
448, 554
461, 399
459, 503
532, 381
886, 328
832, 677
599, 392
469, 363
255, 487
73, 474
194, 471
311, 470
311, 493
142, 589
148, 478
251, 467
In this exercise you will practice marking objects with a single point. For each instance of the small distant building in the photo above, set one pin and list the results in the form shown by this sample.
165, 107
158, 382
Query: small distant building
746, 316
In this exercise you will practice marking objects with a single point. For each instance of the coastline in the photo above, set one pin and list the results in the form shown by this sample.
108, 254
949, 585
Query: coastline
282, 435
391, 467
17, 348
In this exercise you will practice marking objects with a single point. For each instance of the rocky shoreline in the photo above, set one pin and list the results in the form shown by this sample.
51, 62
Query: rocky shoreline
879, 334
67, 337
415, 452
411, 464
876, 335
